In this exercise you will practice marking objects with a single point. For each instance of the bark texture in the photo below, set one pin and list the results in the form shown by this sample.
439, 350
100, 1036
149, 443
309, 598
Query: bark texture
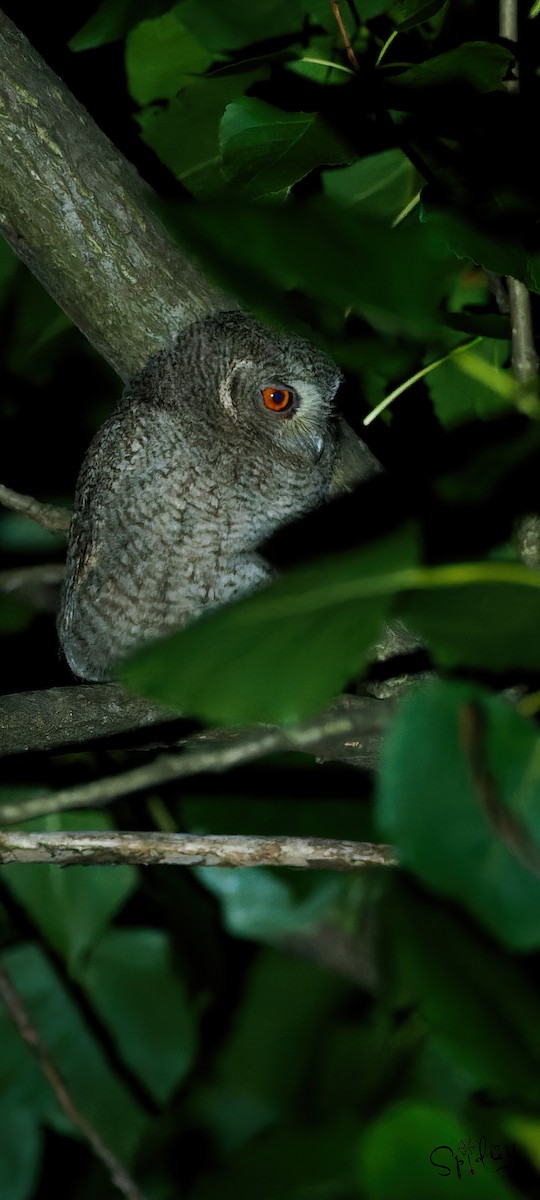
80, 217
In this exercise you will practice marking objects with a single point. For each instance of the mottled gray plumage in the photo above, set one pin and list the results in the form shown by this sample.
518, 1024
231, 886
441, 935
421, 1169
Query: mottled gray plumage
186, 479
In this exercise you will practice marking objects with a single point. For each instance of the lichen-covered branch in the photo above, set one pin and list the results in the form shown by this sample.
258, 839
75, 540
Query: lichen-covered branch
191, 850
80, 217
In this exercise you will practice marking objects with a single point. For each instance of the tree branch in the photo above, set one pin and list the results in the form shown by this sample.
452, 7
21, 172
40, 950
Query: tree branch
80, 217
191, 850
349, 731
51, 518
21, 1018
57, 717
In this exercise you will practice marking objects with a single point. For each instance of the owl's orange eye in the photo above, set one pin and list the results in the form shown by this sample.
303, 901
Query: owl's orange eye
277, 399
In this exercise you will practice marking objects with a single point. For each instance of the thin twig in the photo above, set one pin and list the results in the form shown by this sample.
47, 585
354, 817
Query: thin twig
334, 5
51, 518
27, 1030
508, 20
524, 356
68, 849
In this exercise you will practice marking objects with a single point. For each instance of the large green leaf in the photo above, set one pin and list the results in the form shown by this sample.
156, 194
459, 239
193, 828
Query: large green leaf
77, 1054
480, 65
493, 625
431, 1154
266, 150
480, 1004
258, 904
274, 1042
284, 652
71, 908
432, 806
131, 980
111, 21
159, 56
495, 252
185, 134
458, 396
264, 253
224, 27
378, 186
291, 1162
20, 1149
409, 13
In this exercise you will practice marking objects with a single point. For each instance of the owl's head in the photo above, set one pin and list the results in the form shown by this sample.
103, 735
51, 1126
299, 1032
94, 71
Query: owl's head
262, 387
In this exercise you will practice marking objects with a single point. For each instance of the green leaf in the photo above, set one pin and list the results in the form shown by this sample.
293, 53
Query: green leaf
274, 1041
369, 9
429, 806
265, 150
377, 186
185, 134
479, 1003
479, 65
71, 908
494, 626
289, 1163
283, 652
131, 980
409, 13
20, 1150
427, 1157
159, 56
498, 254
111, 21
262, 253
94, 1087
458, 397
258, 904
224, 27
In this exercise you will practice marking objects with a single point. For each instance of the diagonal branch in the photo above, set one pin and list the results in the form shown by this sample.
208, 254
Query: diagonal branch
80, 217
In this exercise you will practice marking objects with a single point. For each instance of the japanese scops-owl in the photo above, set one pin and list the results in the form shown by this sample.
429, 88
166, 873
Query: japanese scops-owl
214, 445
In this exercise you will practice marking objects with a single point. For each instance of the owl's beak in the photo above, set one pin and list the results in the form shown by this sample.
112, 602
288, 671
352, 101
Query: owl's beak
318, 446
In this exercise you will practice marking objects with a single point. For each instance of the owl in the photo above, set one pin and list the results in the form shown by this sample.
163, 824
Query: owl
215, 444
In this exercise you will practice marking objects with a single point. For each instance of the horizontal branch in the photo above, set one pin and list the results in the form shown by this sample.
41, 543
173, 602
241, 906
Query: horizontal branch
190, 850
349, 731
55, 717
80, 217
